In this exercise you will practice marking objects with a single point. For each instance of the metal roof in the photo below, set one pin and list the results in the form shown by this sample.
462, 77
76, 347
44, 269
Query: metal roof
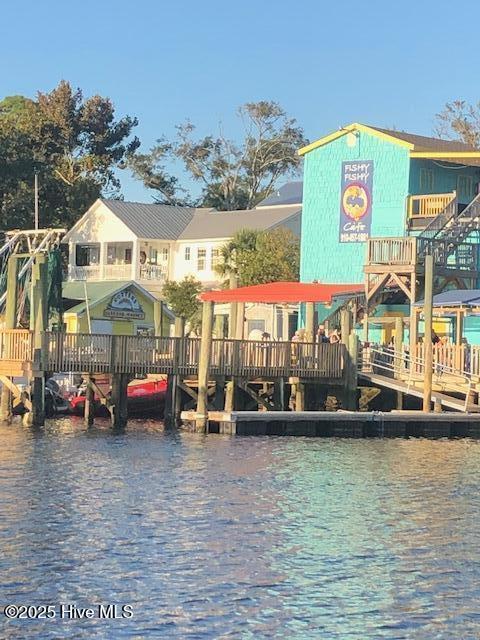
277, 292
455, 298
289, 193
425, 143
96, 292
224, 224
152, 221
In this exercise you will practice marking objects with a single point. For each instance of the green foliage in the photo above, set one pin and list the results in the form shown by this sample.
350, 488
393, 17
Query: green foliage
258, 257
182, 297
233, 176
74, 144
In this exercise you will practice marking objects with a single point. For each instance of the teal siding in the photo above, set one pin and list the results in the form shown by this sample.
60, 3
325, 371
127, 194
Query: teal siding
323, 257
445, 178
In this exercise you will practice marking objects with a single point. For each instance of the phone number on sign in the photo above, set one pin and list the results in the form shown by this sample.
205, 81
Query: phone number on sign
67, 612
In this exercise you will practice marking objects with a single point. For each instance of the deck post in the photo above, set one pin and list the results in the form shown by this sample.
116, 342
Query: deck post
179, 327
428, 313
413, 330
89, 413
309, 322
10, 323
398, 343
345, 325
240, 321
219, 326
119, 400
204, 367
158, 317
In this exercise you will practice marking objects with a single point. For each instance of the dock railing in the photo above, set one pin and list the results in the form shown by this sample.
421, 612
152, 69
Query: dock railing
139, 355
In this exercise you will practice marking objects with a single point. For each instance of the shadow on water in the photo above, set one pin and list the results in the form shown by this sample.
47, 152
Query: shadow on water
219, 537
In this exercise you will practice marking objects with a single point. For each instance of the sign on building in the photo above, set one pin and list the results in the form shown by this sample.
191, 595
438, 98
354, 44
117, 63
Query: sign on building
356, 201
125, 306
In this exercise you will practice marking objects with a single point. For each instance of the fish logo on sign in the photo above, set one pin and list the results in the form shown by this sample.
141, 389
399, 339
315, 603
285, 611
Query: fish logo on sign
356, 201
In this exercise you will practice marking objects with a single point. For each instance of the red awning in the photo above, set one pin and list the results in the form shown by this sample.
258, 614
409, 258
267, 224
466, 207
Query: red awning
278, 292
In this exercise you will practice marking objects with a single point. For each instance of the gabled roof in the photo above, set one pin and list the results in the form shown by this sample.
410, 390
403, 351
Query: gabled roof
424, 143
278, 292
96, 292
163, 222
289, 193
152, 221
418, 146
224, 224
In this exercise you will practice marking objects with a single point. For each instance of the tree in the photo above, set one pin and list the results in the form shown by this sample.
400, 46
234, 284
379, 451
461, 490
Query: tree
182, 298
232, 175
258, 257
74, 144
460, 121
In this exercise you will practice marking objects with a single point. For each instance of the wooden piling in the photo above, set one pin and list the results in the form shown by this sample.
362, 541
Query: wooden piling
89, 412
39, 324
10, 323
204, 367
119, 400
428, 317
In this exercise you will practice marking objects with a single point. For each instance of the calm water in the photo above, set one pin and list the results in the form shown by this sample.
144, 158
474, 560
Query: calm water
218, 537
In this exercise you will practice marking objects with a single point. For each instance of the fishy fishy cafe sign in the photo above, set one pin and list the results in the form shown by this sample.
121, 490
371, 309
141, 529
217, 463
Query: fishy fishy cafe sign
356, 201
124, 306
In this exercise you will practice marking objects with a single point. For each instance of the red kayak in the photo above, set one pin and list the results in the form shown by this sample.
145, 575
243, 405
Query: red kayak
143, 397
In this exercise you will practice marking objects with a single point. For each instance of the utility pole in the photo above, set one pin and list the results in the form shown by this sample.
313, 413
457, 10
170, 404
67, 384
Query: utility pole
36, 201
427, 314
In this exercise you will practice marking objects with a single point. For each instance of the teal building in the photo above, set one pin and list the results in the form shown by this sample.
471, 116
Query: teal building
363, 182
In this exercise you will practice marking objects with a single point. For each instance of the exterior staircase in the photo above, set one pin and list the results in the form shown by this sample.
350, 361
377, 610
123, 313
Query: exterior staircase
445, 236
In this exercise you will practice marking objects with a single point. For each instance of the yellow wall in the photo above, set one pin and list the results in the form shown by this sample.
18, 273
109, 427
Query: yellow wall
79, 323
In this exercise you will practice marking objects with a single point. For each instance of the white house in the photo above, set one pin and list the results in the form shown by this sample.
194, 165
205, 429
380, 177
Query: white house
150, 243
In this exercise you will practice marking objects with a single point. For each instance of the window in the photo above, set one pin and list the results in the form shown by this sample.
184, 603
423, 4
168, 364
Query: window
119, 254
201, 259
465, 188
426, 180
214, 258
87, 255
187, 253
153, 256
165, 254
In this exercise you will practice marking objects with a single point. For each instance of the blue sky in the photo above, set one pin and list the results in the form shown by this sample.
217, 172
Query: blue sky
327, 63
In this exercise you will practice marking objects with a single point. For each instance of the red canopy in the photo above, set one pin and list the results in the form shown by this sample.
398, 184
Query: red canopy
277, 292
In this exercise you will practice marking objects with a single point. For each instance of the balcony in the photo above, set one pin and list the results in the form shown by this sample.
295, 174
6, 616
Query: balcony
422, 208
101, 272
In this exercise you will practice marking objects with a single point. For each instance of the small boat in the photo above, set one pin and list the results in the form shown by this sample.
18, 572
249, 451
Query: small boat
144, 397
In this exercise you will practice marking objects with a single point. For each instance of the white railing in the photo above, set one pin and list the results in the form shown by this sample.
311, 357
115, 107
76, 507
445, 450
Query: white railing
92, 272
118, 272
152, 272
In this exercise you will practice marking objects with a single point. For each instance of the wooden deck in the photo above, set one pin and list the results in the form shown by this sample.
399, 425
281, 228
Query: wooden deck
138, 355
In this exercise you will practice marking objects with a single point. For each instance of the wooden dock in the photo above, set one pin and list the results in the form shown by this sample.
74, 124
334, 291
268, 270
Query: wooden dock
341, 424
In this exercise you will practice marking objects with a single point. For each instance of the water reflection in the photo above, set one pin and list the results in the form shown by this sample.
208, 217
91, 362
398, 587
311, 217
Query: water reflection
218, 537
